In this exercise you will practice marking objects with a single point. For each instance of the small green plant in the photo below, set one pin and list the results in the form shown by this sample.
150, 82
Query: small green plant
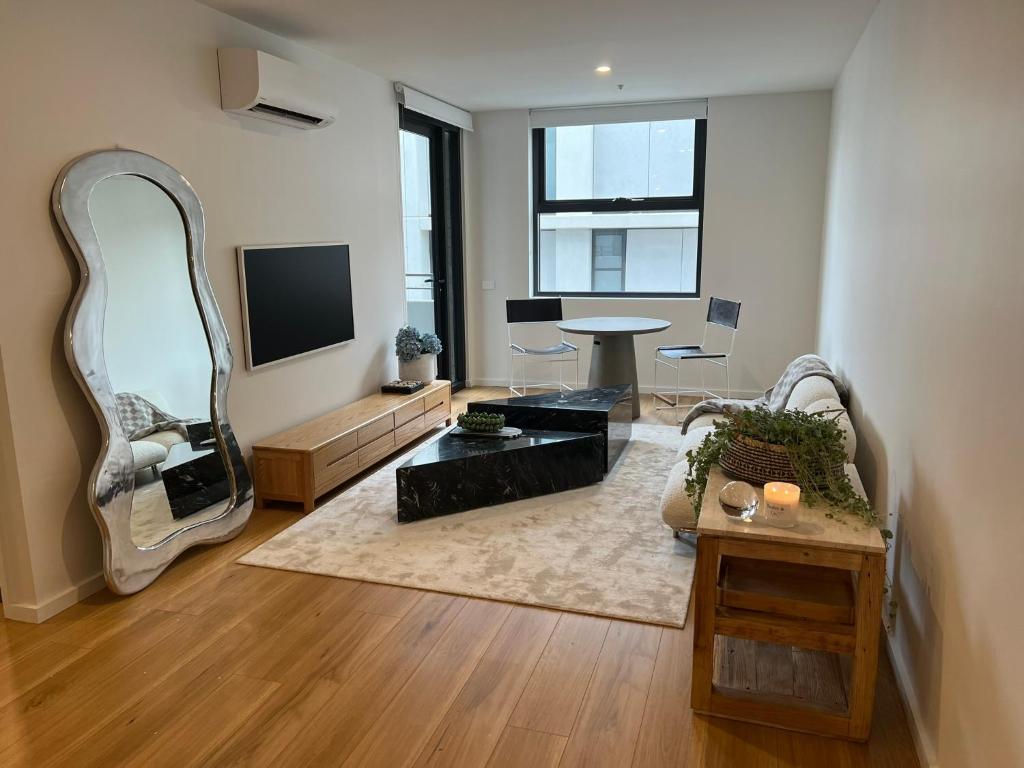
481, 422
814, 443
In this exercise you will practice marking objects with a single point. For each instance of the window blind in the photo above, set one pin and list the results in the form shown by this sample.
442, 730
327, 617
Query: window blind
416, 101
552, 117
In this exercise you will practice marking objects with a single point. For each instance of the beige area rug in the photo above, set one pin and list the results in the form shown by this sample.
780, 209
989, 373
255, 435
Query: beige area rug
601, 550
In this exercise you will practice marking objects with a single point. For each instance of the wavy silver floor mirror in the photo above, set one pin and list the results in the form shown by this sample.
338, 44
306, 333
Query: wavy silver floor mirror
149, 347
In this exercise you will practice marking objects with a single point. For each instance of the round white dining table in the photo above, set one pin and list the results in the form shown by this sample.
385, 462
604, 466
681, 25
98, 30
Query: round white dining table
613, 360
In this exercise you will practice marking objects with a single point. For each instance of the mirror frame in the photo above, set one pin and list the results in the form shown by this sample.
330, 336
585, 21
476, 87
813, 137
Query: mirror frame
127, 566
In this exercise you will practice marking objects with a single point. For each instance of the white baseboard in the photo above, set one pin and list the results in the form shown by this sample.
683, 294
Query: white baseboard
36, 614
741, 394
922, 742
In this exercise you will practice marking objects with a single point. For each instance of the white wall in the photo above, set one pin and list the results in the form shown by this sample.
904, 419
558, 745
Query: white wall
765, 186
921, 310
142, 74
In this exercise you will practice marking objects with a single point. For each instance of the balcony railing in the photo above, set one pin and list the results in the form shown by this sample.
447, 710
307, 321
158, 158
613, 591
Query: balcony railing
417, 288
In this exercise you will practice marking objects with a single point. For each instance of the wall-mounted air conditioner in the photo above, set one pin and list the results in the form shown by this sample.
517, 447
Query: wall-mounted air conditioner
257, 84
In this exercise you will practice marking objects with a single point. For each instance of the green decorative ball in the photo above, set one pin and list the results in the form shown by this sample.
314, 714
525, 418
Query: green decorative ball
481, 422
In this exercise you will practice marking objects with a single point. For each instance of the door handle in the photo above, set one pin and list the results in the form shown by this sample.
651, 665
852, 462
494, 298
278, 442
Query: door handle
432, 280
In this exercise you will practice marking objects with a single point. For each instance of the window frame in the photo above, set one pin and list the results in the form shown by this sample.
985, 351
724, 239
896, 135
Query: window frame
621, 269
446, 238
542, 205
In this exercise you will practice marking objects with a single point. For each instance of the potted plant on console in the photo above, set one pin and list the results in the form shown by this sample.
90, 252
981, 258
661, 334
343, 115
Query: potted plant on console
417, 354
759, 446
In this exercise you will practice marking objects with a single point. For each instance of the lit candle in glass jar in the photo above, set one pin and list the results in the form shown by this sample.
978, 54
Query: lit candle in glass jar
781, 501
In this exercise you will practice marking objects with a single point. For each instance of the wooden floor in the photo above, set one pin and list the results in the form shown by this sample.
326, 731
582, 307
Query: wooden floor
223, 664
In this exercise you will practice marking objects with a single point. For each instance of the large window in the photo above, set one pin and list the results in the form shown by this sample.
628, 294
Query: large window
618, 209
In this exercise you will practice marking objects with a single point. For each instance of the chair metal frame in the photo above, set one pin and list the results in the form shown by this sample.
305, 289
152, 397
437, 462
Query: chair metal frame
569, 354
721, 359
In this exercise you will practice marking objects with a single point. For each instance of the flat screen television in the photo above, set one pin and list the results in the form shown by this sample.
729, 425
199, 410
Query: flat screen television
296, 300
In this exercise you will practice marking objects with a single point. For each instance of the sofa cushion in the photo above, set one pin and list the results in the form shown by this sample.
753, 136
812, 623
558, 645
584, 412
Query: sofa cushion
810, 390
166, 438
146, 453
855, 481
692, 439
705, 420
676, 509
843, 420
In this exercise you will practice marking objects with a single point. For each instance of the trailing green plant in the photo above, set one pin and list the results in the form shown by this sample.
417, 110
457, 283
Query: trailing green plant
814, 443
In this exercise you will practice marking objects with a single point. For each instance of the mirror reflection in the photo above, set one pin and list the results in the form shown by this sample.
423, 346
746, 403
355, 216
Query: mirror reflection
158, 359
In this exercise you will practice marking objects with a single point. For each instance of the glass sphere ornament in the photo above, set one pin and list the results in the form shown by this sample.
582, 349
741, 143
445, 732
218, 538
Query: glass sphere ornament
739, 500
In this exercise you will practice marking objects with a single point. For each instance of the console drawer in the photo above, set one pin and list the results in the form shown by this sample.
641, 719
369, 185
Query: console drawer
326, 477
437, 413
436, 398
378, 449
334, 450
409, 411
410, 430
376, 428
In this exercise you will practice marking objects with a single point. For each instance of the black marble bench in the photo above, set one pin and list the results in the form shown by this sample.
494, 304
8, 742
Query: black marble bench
606, 410
453, 474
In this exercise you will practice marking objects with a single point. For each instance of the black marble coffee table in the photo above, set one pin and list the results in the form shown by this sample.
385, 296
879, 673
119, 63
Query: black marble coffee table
453, 474
194, 478
607, 410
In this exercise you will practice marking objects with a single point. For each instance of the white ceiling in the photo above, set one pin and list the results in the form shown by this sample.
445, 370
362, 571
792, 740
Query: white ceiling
481, 54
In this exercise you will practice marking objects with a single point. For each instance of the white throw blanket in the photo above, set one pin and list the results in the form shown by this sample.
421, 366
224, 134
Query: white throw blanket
774, 399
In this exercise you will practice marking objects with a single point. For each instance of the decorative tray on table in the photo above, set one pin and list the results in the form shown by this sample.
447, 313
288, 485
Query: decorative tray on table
402, 387
484, 425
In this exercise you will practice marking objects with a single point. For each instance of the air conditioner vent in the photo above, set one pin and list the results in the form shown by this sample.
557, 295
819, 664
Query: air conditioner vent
270, 109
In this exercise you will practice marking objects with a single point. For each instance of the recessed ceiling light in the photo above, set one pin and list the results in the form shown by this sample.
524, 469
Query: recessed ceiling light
604, 69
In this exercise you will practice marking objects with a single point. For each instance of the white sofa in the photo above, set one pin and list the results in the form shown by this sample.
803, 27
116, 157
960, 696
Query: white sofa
152, 449
146, 454
811, 395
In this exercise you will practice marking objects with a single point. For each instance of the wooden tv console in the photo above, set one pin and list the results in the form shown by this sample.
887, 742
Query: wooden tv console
305, 462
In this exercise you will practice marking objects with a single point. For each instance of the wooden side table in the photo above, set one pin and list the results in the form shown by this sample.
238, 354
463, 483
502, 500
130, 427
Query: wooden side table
817, 586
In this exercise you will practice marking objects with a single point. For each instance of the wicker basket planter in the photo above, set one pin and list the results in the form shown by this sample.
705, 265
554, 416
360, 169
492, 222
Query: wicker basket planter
758, 462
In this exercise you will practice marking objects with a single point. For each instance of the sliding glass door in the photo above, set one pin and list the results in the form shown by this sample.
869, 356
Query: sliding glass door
431, 159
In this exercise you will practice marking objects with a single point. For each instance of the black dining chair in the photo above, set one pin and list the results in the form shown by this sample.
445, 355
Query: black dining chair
722, 313
538, 312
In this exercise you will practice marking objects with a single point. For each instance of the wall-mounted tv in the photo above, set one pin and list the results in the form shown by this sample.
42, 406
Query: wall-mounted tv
296, 300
